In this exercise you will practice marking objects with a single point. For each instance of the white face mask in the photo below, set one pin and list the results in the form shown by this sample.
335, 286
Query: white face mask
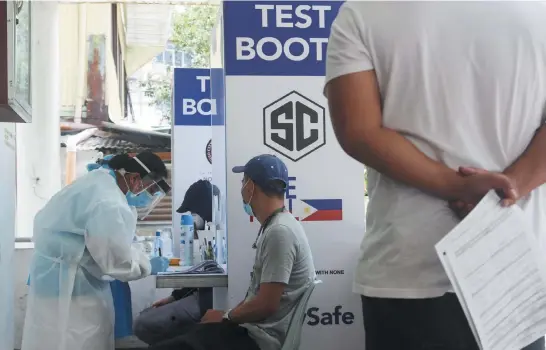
198, 222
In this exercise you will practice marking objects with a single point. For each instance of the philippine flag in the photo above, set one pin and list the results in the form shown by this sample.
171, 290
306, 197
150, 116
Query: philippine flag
322, 210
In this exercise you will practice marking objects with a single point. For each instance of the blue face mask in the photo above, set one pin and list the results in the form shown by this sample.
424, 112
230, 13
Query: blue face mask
138, 201
246, 206
248, 209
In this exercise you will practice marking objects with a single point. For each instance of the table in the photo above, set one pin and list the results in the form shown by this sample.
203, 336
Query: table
191, 281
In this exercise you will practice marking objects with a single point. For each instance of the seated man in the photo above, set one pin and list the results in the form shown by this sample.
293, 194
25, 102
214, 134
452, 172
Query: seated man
169, 317
283, 270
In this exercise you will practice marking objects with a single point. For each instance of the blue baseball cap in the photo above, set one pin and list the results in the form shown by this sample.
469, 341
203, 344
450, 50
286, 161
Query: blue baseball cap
263, 170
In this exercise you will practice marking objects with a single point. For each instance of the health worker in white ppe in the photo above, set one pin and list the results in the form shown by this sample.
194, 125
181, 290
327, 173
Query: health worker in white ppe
82, 240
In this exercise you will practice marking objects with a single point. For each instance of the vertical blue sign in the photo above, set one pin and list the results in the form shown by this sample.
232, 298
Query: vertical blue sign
192, 102
217, 81
285, 38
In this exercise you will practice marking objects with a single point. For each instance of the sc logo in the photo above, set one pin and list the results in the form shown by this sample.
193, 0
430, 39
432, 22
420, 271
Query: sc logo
294, 126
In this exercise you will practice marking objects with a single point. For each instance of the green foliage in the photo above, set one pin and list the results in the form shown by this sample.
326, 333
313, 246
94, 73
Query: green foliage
158, 88
191, 32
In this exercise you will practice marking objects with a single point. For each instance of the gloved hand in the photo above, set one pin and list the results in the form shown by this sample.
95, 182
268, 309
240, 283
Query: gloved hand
159, 264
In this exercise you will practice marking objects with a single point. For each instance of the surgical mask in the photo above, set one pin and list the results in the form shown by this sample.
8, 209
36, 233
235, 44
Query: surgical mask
144, 192
246, 206
198, 222
141, 200
248, 209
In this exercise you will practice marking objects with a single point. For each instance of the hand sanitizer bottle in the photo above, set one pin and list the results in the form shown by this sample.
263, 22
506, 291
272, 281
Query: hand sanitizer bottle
186, 239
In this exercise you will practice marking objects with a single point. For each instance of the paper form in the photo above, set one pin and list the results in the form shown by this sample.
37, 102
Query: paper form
494, 264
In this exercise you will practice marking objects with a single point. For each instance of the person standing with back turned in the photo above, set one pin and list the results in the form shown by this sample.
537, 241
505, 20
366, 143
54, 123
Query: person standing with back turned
442, 101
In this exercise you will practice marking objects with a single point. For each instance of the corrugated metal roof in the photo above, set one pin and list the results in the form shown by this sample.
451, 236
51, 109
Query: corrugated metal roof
123, 139
113, 144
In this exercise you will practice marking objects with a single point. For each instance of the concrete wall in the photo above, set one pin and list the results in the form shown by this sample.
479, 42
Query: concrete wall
98, 18
7, 233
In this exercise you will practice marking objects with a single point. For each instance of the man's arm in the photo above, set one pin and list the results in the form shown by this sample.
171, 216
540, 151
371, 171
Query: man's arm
355, 109
529, 171
526, 173
278, 258
265, 304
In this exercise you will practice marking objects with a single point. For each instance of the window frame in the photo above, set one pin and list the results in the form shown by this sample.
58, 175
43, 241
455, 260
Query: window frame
14, 109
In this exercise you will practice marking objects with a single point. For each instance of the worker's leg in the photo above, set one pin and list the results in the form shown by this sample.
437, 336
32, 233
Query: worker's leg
167, 321
211, 336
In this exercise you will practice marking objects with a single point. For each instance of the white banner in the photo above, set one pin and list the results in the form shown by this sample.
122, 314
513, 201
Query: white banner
274, 66
192, 136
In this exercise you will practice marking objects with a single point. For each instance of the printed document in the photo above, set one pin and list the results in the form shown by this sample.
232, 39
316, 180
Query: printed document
493, 261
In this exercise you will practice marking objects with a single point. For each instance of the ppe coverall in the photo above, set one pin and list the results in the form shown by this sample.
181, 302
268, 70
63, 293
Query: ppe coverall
82, 240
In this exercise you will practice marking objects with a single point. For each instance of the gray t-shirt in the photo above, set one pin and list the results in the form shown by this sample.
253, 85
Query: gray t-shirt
283, 255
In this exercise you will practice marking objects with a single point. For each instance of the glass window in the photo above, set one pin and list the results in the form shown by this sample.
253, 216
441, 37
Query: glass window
170, 46
169, 58
178, 58
159, 58
187, 59
22, 52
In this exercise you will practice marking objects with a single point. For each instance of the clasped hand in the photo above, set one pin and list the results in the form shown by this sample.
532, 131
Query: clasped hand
476, 184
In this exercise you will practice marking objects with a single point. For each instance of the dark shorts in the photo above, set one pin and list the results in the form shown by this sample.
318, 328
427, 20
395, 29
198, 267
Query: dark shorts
211, 336
420, 324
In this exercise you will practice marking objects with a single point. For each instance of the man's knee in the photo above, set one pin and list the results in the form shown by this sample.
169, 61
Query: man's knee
143, 328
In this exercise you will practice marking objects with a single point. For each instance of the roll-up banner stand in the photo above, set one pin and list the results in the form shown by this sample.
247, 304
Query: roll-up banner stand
275, 65
192, 135
218, 120
217, 83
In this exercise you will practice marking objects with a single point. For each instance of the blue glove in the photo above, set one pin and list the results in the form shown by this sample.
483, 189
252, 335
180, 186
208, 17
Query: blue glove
92, 166
159, 264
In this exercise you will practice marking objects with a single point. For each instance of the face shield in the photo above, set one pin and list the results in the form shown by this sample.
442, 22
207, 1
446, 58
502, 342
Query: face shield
146, 194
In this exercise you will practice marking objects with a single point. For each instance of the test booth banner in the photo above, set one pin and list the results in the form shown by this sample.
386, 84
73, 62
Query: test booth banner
192, 136
275, 67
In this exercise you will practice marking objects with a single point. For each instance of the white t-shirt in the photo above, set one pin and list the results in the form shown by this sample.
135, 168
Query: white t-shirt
463, 81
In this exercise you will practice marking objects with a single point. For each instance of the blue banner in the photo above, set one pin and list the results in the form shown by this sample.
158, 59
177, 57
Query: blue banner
217, 84
275, 38
192, 102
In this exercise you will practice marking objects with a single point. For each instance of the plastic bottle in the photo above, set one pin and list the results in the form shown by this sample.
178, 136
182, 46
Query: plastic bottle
158, 243
224, 250
166, 243
186, 239
149, 246
214, 249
